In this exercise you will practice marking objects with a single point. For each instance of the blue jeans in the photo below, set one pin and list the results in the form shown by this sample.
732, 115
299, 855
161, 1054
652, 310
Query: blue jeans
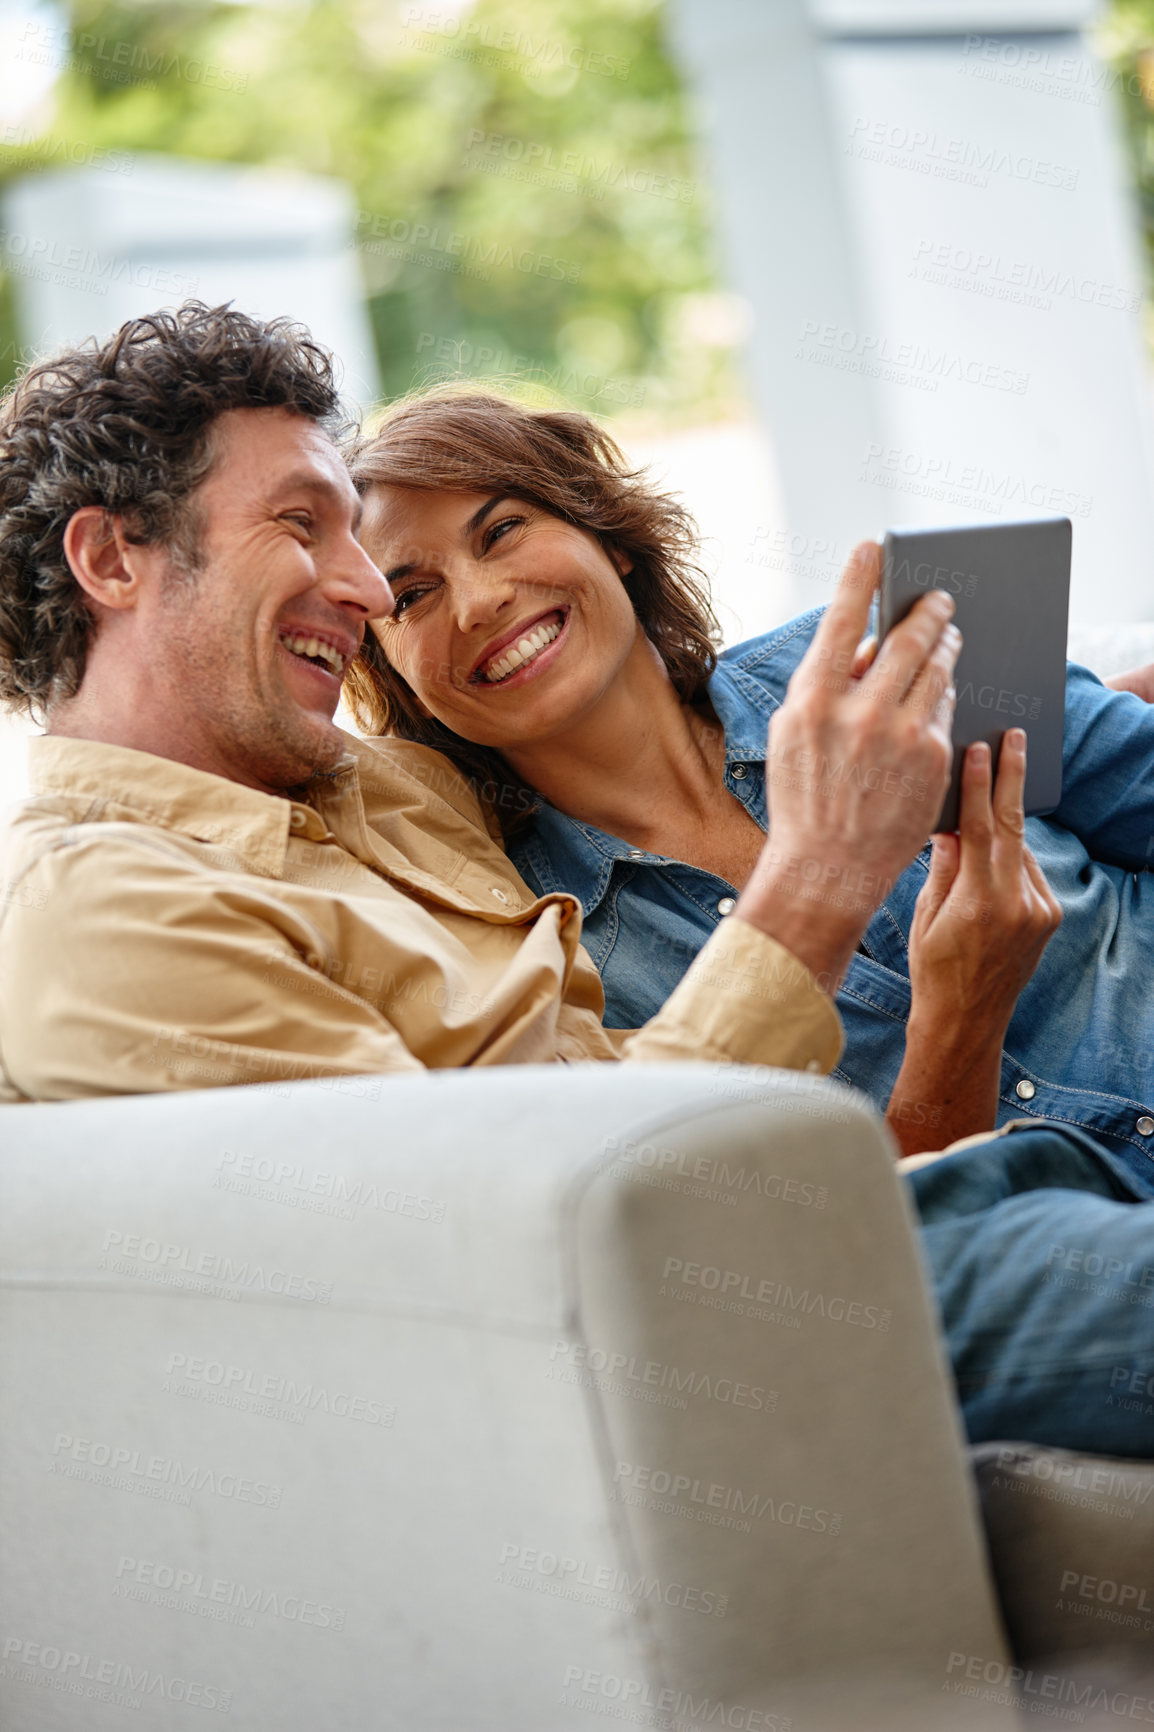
1041, 1248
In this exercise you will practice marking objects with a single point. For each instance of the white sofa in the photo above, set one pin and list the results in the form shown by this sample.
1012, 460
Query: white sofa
478, 1400
507, 1400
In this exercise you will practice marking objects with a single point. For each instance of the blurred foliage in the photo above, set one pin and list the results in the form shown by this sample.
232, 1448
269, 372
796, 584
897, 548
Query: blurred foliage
1126, 42
524, 172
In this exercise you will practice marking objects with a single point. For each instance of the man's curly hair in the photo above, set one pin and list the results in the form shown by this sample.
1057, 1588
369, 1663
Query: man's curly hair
125, 424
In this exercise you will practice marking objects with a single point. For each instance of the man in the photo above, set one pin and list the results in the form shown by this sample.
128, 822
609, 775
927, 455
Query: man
213, 884
234, 890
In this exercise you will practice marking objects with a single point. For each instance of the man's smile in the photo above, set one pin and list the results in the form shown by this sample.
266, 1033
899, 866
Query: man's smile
323, 650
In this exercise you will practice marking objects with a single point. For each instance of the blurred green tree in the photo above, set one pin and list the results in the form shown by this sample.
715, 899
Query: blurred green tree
1126, 41
528, 199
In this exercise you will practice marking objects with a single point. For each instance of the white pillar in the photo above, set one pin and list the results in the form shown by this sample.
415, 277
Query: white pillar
926, 203
90, 247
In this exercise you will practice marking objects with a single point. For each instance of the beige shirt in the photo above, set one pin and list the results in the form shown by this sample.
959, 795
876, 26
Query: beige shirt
163, 928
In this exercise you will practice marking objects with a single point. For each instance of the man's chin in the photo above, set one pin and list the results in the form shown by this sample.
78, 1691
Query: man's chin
322, 744
311, 745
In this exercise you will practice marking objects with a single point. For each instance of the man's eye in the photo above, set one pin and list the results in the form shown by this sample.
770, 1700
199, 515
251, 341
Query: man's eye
299, 520
496, 531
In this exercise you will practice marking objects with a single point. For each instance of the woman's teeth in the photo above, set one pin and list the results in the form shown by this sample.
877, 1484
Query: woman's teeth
316, 650
524, 650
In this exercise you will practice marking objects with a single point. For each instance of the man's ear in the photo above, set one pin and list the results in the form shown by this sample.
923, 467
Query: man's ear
107, 566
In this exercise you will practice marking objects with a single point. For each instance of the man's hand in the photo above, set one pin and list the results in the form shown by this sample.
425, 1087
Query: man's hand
982, 921
1140, 681
857, 768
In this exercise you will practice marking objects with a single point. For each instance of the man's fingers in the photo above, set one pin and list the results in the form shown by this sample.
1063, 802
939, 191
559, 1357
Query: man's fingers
1140, 681
844, 621
944, 863
933, 688
863, 657
1011, 784
910, 645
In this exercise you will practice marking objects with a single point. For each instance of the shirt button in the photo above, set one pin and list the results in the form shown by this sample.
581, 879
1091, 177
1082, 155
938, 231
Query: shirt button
740, 771
813, 1064
1145, 1126
499, 894
1026, 1091
298, 819
727, 905
636, 854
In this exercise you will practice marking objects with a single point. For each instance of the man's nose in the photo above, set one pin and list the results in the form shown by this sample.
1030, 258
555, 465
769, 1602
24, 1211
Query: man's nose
357, 582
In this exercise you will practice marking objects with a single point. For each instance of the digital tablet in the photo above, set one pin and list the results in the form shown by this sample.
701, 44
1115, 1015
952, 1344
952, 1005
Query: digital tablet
1011, 588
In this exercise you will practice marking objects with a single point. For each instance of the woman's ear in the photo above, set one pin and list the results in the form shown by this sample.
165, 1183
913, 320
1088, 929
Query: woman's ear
620, 558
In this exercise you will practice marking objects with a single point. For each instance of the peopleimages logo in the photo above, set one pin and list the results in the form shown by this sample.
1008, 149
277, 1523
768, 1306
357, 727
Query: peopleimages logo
84, 1675
195, 1374
576, 1578
732, 1286
615, 1373
720, 1505
43, 252
285, 1181
181, 1266
1067, 1698
635, 1699
716, 1173
129, 1469
216, 1596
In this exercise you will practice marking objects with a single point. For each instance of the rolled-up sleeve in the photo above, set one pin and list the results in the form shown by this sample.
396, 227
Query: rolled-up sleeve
745, 999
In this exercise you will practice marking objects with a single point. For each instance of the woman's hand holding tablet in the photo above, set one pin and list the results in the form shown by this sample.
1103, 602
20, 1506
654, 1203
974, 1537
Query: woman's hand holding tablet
980, 926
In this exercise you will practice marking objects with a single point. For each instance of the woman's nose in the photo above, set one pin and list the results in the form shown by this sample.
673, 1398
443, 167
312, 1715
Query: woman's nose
477, 601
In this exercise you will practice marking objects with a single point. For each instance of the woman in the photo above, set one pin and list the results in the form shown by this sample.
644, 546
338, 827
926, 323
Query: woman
552, 635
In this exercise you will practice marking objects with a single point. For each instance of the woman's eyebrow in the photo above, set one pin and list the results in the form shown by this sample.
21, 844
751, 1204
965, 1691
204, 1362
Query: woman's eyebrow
396, 572
479, 517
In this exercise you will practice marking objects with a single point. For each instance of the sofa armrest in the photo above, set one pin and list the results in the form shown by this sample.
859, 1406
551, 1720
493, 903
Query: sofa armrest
797, 1441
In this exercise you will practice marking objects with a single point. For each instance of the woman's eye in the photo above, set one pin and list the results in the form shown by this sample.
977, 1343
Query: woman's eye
405, 599
496, 531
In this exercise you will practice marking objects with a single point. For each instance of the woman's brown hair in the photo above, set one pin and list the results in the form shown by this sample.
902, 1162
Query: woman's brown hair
565, 464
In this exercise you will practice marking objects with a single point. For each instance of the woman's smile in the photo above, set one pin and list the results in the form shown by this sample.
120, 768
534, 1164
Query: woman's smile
520, 655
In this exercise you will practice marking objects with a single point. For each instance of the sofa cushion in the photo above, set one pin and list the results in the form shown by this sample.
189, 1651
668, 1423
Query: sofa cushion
1071, 1542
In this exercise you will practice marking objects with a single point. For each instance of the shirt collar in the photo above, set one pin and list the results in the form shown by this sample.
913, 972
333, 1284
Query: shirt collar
564, 854
125, 785
743, 707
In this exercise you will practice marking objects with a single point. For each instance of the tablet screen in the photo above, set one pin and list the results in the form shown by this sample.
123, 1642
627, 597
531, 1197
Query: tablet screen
1011, 588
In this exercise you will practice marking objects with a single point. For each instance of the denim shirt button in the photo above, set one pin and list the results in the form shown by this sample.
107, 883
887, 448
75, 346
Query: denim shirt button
740, 771
636, 854
1026, 1091
1145, 1126
727, 905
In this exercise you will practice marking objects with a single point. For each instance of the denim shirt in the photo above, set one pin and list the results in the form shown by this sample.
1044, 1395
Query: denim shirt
1080, 1047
